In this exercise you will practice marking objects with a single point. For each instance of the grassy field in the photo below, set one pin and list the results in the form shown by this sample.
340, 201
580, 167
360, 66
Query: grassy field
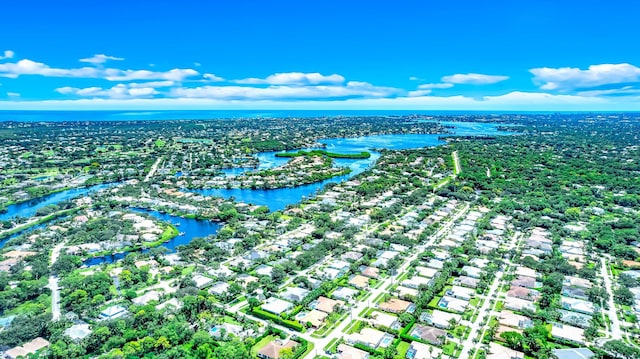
259, 345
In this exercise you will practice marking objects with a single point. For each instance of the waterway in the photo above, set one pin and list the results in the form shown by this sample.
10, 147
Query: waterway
192, 228
274, 199
278, 199
29, 208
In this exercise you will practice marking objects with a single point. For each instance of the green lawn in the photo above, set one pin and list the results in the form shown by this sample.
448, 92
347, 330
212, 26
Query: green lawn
260, 344
402, 350
449, 348
331, 343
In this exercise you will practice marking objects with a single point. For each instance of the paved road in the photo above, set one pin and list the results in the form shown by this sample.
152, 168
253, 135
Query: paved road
456, 163
488, 307
53, 284
153, 169
360, 306
616, 331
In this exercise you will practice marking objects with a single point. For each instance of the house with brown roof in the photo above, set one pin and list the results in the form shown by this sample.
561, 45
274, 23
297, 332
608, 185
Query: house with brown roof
273, 349
523, 293
315, 317
497, 351
395, 305
523, 281
27, 348
349, 352
511, 319
326, 305
359, 281
371, 272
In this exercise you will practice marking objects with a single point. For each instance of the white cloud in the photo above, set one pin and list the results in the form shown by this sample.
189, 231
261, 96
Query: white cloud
177, 75
473, 79
435, 86
414, 78
351, 89
13, 94
294, 79
119, 91
213, 78
624, 91
570, 78
29, 67
514, 101
100, 59
419, 93
153, 84
8, 54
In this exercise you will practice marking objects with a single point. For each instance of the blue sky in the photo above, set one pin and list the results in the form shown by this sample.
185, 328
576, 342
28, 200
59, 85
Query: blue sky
445, 55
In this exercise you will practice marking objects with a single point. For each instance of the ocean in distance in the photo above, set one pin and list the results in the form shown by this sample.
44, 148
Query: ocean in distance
60, 116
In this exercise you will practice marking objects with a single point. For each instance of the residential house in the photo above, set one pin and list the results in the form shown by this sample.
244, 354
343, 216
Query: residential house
349, 352
326, 305
523, 293
146, 298
78, 331
381, 319
245, 279
359, 281
419, 350
264, 269
575, 319
575, 292
276, 305
113, 312
371, 272
273, 349
345, 293
527, 282
453, 304
577, 305
526, 272
416, 282
27, 348
572, 281
201, 281
574, 353
406, 293
294, 294
315, 317
472, 272
497, 351
220, 289
466, 281
426, 272
332, 273
518, 304
395, 305
460, 292
431, 335
440, 319
511, 319
351, 256
567, 332
435, 264
368, 336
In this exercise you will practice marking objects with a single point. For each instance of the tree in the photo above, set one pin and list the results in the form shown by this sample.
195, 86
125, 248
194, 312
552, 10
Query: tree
514, 340
623, 296
278, 274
